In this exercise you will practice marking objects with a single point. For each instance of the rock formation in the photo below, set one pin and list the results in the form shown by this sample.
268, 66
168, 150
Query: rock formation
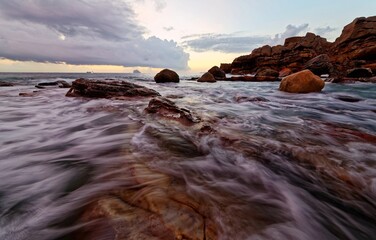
356, 47
166, 75
217, 73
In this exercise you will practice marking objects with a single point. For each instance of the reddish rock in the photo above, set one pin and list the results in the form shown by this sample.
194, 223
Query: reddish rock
226, 67
217, 73
320, 65
167, 109
167, 75
359, 73
285, 72
108, 89
207, 77
302, 82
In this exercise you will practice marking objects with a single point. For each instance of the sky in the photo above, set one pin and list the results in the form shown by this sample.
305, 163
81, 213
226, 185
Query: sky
187, 36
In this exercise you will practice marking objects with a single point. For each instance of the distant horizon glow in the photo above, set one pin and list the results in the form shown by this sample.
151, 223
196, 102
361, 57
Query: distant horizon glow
149, 35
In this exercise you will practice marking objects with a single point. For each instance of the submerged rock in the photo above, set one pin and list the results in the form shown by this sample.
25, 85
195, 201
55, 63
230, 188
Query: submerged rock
168, 109
217, 73
166, 75
207, 77
5, 84
302, 82
108, 89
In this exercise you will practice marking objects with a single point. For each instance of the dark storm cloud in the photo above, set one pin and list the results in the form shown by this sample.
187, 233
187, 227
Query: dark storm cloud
81, 32
238, 43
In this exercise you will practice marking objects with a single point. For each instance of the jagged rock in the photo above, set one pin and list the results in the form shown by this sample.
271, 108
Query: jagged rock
207, 77
226, 67
217, 73
108, 89
320, 65
168, 109
359, 73
5, 84
167, 75
302, 82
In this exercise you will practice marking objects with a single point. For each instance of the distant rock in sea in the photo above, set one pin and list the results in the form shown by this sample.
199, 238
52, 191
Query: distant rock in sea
136, 71
166, 75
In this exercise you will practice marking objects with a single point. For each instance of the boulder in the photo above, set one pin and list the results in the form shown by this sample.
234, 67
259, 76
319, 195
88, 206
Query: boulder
217, 73
320, 65
207, 77
302, 82
5, 84
167, 109
359, 73
108, 89
226, 67
167, 75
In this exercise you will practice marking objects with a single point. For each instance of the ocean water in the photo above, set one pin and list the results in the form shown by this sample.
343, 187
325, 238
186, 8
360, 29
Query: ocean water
276, 166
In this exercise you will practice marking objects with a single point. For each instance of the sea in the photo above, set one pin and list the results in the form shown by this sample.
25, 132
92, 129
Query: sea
275, 165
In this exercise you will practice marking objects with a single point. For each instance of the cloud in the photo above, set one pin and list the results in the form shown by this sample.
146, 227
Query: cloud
168, 29
322, 31
160, 5
96, 32
238, 42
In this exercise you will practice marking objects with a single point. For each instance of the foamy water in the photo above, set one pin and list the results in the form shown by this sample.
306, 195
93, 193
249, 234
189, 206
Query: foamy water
276, 166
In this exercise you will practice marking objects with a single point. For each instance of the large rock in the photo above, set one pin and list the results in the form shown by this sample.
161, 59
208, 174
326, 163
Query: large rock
217, 73
207, 77
108, 89
166, 75
320, 65
302, 82
168, 110
267, 72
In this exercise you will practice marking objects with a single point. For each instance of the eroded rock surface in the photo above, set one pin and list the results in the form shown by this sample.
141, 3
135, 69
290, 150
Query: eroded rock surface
108, 89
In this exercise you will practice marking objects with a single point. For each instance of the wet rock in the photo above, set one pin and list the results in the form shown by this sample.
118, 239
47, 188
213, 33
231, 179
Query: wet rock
167, 109
285, 72
302, 82
347, 98
217, 73
207, 77
5, 84
226, 67
267, 72
29, 94
359, 73
241, 99
167, 75
108, 89
320, 65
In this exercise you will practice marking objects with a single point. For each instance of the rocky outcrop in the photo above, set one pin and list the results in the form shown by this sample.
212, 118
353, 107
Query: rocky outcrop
356, 47
108, 89
167, 75
168, 110
293, 54
302, 82
217, 73
207, 77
